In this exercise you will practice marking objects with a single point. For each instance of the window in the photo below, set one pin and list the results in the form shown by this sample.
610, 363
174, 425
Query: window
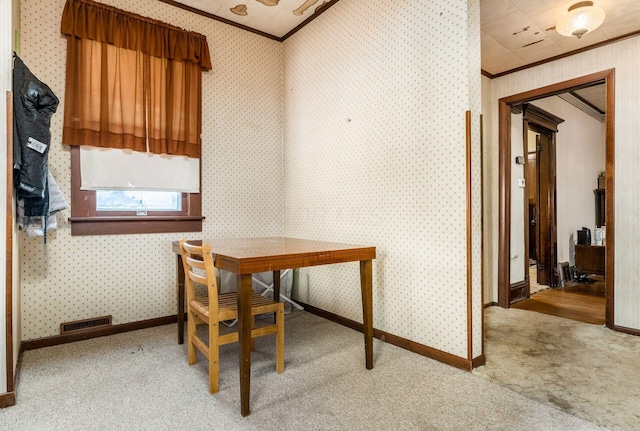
133, 86
140, 201
87, 219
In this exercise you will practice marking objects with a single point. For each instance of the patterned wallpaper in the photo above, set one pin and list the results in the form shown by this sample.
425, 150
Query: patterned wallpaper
475, 106
133, 277
375, 100
374, 97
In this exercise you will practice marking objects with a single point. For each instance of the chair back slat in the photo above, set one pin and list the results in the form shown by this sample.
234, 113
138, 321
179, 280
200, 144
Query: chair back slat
195, 262
198, 278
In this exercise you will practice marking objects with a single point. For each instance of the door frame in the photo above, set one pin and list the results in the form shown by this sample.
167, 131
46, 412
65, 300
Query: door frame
504, 178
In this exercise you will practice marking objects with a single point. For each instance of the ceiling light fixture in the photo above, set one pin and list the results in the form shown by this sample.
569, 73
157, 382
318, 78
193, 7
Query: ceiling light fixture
580, 19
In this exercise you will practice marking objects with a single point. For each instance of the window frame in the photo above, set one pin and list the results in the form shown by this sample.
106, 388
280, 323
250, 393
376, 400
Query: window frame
86, 220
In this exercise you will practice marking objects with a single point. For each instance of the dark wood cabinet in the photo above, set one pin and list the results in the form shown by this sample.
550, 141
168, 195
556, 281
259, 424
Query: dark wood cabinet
590, 259
600, 207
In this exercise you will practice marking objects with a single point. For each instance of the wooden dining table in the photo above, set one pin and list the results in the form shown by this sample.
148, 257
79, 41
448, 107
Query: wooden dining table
246, 256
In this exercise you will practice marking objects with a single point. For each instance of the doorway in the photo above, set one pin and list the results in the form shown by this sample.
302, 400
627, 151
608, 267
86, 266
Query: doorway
504, 252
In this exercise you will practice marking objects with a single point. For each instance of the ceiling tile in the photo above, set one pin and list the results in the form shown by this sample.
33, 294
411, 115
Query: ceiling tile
499, 59
281, 22
618, 7
493, 9
225, 12
620, 25
209, 6
259, 14
513, 30
534, 7
539, 51
489, 44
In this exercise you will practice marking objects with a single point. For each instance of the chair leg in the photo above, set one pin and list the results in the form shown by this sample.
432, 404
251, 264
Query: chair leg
280, 339
214, 358
191, 333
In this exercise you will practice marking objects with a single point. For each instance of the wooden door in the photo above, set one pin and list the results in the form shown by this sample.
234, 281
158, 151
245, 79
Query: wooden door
546, 202
531, 182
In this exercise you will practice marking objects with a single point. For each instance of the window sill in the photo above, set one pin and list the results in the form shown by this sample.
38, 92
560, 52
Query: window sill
134, 224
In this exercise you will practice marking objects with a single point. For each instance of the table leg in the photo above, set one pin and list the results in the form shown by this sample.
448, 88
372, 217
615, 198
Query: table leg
180, 287
276, 285
367, 310
244, 335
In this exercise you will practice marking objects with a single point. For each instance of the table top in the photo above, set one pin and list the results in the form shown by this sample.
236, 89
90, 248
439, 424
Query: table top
251, 255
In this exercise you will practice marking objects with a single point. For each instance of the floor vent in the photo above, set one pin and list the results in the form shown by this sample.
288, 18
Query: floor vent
83, 325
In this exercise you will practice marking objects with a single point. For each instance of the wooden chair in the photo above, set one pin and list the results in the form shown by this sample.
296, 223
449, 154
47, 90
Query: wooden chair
214, 308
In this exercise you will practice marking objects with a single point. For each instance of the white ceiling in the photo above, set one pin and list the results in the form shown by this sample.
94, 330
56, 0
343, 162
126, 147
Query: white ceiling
273, 17
514, 33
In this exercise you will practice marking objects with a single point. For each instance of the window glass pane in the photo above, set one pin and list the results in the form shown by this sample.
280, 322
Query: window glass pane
137, 200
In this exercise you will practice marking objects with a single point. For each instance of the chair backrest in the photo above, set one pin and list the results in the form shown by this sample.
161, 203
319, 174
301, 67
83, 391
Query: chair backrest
199, 268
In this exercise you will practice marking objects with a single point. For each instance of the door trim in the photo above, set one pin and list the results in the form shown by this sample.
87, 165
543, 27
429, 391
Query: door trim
9, 243
504, 178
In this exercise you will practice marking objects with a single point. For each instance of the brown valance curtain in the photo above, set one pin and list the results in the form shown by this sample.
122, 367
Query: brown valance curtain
132, 82
86, 19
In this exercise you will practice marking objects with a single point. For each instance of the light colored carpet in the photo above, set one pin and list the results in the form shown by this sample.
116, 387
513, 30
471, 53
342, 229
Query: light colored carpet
583, 369
141, 381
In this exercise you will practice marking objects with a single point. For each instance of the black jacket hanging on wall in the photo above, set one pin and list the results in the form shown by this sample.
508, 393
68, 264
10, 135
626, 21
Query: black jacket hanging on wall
33, 106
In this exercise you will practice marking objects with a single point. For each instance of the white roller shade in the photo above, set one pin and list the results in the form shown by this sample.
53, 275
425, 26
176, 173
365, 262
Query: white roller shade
107, 168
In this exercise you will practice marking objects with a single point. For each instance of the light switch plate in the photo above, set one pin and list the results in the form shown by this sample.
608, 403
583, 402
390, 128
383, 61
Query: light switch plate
521, 183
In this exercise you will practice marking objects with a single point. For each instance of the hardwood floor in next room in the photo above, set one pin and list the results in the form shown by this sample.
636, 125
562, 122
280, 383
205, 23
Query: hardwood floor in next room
584, 302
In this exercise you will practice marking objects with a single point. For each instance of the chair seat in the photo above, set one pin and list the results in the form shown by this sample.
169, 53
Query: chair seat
228, 305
